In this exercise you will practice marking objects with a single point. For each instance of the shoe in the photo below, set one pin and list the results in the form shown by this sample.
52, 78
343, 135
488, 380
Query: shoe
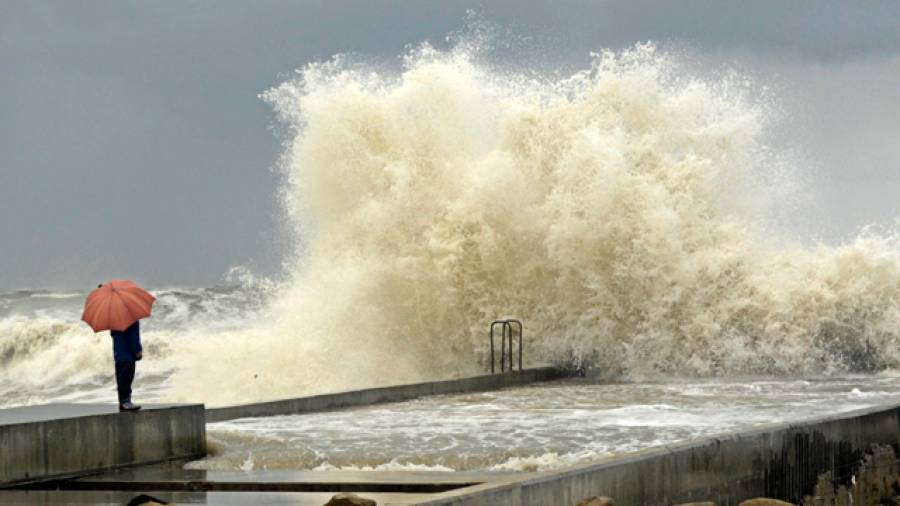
128, 406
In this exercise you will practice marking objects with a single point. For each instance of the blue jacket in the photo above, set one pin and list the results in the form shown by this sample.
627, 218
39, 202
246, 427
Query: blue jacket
127, 343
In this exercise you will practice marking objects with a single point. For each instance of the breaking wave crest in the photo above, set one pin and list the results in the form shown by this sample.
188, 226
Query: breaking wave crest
616, 210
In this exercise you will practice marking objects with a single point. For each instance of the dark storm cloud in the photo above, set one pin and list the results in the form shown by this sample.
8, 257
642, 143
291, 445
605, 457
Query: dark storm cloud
132, 141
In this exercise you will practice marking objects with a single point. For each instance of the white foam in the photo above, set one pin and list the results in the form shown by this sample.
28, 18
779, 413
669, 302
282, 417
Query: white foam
612, 210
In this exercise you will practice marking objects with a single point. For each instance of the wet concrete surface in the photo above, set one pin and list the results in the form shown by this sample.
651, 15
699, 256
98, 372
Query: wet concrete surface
172, 483
58, 411
57, 441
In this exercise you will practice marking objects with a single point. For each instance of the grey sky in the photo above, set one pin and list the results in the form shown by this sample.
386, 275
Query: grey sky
152, 107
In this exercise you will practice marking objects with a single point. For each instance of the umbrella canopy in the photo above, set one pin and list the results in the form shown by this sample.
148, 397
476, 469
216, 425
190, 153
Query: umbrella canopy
116, 304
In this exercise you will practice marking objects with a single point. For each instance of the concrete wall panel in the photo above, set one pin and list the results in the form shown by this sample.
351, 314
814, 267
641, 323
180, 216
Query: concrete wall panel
380, 395
35, 445
781, 461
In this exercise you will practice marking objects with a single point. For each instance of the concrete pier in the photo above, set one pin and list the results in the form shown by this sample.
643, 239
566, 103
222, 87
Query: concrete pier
54, 441
780, 460
777, 460
371, 396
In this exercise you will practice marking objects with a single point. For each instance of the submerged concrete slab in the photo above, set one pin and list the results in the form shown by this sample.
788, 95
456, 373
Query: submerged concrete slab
119, 498
172, 477
175, 472
171, 482
54, 441
370, 396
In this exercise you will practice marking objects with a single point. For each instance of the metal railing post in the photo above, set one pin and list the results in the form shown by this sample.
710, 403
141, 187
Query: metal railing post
504, 328
518, 324
507, 330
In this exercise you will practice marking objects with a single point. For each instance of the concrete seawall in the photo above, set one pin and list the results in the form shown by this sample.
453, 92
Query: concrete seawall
54, 441
381, 395
780, 461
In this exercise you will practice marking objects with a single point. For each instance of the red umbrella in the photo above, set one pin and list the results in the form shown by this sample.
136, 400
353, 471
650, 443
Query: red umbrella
116, 304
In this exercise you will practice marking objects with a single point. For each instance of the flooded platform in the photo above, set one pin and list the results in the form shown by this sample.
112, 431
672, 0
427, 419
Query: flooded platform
537, 427
778, 460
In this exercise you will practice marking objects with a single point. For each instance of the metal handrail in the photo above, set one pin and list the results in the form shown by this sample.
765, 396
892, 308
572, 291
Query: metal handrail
506, 335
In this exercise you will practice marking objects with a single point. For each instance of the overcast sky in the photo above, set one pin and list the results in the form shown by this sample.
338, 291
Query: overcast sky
132, 141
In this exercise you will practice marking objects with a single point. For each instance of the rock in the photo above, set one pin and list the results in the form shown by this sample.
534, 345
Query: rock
597, 501
875, 481
702, 503
349, 500
764, 501
146, 500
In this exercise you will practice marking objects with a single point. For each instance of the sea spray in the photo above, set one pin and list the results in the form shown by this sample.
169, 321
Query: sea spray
614, 210
594, 207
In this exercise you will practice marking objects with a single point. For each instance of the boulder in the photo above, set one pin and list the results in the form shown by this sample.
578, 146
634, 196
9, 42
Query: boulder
349, 500
701, 503
764, 501
597, 501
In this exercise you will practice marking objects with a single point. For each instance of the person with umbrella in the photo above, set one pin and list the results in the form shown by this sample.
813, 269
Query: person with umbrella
118, 306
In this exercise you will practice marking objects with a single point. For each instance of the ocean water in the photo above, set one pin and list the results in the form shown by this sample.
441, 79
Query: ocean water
47, 354
535, 428
626, 212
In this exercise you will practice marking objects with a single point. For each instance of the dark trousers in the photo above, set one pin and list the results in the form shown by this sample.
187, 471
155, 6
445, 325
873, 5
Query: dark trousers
124, 377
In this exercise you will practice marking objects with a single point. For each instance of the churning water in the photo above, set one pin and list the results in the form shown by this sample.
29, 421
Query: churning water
616, 210
536, 428
48, 354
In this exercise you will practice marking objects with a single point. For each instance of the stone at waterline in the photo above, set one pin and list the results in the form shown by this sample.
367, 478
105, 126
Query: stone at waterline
349, 500
596, 501
146, 500
764, 501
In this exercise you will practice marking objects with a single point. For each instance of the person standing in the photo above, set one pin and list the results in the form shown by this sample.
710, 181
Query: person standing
127, 351
117, 306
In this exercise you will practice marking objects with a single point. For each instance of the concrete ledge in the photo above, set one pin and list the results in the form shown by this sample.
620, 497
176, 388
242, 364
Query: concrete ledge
781, 460
383, 394
55, 441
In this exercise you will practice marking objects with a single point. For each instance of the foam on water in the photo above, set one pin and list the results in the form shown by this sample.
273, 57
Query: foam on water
615, 210
535, 428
